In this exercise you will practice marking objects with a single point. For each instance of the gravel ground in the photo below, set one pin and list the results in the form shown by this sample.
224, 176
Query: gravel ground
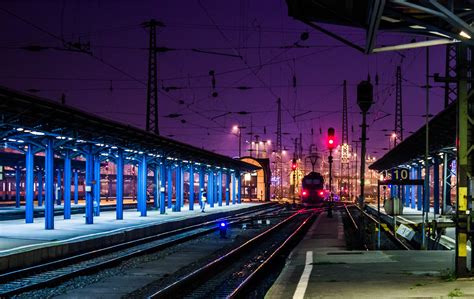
220, 285
236, 236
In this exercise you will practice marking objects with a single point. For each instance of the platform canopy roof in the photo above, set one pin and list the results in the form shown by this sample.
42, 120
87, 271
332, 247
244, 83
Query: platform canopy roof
27, 118
442, 137
441, 21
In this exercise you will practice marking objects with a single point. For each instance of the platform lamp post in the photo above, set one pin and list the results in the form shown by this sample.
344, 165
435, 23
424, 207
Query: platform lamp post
238, 129
364, 100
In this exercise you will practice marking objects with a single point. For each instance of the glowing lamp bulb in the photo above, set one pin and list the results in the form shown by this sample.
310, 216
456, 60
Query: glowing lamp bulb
331, 141
304, 193
321, 193
222, 224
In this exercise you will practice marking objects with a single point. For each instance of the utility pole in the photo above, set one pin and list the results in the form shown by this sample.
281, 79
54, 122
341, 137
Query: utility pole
355, 170
344, 142
398, 108
364, 100
295, 158
464, 158
152, 89
459, 86
279, 149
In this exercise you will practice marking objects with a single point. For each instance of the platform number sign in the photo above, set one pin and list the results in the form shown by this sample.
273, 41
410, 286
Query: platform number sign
400, 174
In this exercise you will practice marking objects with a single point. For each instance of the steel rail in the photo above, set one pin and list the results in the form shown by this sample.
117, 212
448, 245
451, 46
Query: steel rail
252, 280
352, 218
213, 267
389, 233
11, 281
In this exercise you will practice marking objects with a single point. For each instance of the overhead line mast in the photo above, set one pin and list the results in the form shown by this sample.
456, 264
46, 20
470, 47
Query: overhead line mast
152, 86
345, 142
398, 108
279, 153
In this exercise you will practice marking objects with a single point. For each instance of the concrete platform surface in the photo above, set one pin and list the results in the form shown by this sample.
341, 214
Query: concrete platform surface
24, 241
321, 267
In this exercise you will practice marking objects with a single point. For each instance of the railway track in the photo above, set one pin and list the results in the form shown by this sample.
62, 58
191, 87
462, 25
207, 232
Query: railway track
239, 272
388, 232
52, 273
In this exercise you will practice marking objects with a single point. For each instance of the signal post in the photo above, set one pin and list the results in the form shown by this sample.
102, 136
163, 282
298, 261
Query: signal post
331, 143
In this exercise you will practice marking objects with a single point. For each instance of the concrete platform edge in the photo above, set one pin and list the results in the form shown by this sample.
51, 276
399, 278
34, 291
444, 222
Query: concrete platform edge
60, 249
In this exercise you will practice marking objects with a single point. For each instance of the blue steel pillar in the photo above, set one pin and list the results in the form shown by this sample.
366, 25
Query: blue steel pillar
239, 187
219, 187
211, 188
40, 187
29, 185
89, 194
17, 186
170, 186
181, 189
58, 188
191, 187
97, 186
76, 187
427, 189
413, 188
143, 173
156, 191
162, 188
201, 185
67, 185
177, 204
119, 185
436, 185
407, 191
234, 194
419, 200
137, 188
49, 185
227, 188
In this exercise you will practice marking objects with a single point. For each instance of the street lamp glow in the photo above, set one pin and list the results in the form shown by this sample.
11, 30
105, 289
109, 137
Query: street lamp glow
269, 141
394, 135
235, 128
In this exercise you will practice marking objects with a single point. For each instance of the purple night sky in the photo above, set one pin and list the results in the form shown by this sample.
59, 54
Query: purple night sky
257, 30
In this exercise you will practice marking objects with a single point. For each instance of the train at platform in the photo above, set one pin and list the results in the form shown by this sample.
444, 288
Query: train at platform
312, 190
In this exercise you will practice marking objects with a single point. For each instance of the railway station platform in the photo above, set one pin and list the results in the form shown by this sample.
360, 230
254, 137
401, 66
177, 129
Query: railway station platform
24, 244
8, 211
321, 267
413, 217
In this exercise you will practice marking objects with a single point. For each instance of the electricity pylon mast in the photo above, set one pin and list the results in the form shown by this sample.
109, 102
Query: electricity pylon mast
278, 155
344, 144
152, 89
398, 108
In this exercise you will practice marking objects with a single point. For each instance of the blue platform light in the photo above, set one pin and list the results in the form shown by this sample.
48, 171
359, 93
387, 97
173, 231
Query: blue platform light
223, 229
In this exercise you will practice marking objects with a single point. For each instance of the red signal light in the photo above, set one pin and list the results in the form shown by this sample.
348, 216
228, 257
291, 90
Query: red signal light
321, 193
304, 193
294, 165
331, 141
